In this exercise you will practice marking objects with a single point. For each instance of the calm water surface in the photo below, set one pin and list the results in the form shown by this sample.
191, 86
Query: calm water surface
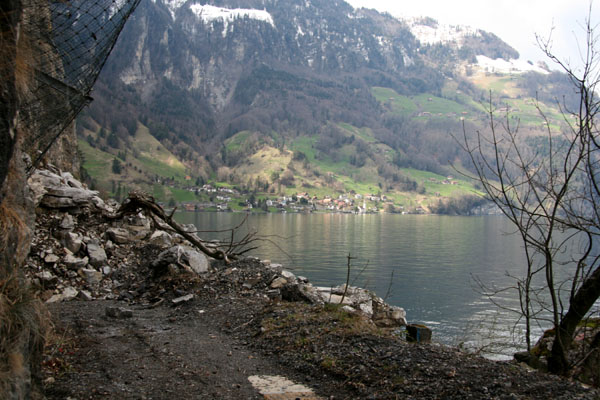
430, 262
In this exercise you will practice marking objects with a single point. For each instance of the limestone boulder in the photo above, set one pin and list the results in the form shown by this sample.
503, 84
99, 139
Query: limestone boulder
192, 258
91, 276
278, 283
61, 191
161, 239
72, 241
73, 262
183, 256
68, 293
119, 235
97, 255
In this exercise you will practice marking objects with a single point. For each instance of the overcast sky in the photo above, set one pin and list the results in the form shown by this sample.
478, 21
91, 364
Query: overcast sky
514, 21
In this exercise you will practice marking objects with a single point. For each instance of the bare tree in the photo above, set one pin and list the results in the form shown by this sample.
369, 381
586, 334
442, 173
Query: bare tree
551, 194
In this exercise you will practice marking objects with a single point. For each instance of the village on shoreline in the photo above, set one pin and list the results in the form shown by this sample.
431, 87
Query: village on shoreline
226, 199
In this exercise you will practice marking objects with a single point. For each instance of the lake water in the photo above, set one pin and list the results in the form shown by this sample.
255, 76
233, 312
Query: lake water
425, 264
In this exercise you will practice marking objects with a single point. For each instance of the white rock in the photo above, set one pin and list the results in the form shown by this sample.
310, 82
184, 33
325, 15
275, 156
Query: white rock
118, 235
194, 259
71, 181
97, 254
85, 295
183, 299
91, 276
337, 299
51, 258
278, 282
288, 275
73, 242
46, 276
67, 222
398, 314
349, 309
69, 293
366, 308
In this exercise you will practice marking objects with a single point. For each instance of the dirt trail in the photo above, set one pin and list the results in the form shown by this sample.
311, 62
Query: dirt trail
157, 353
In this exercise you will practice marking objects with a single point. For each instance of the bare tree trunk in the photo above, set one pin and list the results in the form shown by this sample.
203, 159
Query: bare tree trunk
581, 303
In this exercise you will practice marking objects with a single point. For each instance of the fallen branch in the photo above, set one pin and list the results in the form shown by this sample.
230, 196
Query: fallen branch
138, 201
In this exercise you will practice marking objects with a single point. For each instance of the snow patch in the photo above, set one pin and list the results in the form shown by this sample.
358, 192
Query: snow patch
508, 67
208, 13
441, 33
299, 32
173, 5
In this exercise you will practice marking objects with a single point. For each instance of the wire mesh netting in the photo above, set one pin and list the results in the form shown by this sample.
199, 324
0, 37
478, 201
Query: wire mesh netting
66, 44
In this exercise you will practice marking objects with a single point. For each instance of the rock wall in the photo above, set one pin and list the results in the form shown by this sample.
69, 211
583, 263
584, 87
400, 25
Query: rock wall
9, 20
21, 316
63, 152
47, 107
36, 103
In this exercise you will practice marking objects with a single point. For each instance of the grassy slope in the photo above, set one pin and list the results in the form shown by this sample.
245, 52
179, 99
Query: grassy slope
454, 103
155, 158
146, 158
426, 105
365, 180
319, 174
506, 92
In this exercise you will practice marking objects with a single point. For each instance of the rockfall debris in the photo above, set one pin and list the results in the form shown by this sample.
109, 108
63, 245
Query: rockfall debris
79, 252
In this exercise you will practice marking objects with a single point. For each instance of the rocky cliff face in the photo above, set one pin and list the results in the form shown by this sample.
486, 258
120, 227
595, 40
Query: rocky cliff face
202, 71
208, 48
63, 153
45, 101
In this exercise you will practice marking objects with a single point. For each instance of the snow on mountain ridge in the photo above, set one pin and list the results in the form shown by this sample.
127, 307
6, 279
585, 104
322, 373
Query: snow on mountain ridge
428, 31
208, 14
173, 5
440, 33
507, 67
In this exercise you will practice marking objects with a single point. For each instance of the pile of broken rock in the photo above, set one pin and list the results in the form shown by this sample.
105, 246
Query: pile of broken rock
80, 251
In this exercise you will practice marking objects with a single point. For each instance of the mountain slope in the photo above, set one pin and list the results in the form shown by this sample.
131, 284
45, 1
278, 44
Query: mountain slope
297, 93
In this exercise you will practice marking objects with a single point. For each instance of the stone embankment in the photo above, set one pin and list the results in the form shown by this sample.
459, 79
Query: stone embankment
140, 313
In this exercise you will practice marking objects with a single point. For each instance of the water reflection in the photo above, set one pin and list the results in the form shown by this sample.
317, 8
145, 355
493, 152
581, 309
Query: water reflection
433, 259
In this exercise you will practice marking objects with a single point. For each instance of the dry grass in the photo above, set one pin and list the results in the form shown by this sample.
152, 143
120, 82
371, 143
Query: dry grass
23, 324
23, 319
